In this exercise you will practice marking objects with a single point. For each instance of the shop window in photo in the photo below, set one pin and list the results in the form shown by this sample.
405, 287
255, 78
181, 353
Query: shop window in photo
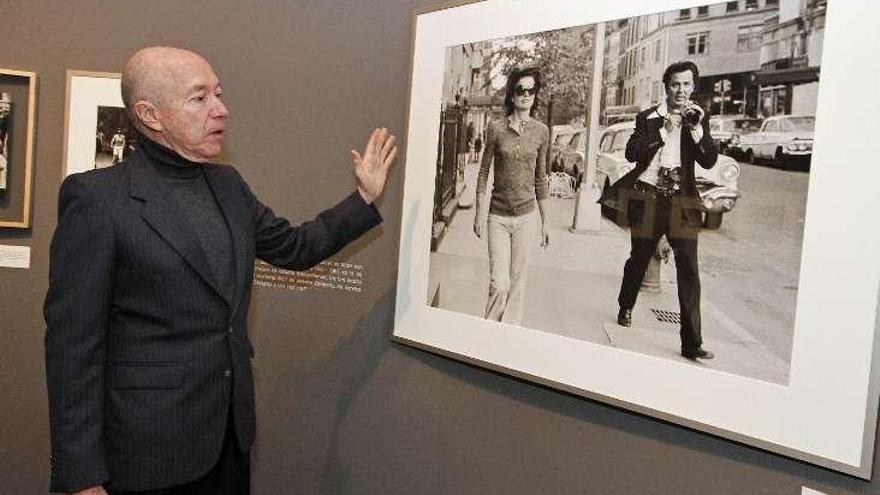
774, 101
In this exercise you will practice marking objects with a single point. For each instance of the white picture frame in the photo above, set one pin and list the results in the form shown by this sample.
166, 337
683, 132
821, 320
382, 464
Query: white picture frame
827, 413
86, 91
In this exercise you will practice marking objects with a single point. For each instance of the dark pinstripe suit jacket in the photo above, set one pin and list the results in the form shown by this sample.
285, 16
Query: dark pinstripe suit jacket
143, 350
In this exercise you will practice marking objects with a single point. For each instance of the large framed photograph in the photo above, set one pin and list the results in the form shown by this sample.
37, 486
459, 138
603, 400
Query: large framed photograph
645, 203
18, 99
98, 132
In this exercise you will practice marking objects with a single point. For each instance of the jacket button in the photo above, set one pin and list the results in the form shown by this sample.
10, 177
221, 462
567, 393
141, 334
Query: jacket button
227, 373
230, 329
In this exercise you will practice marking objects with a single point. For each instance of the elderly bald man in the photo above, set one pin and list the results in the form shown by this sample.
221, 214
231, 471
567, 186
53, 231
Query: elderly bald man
147, 353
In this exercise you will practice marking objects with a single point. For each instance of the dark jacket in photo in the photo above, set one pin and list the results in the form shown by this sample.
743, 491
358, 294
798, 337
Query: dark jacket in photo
644, 143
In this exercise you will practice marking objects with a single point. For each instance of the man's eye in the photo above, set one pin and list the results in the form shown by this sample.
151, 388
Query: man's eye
198, 99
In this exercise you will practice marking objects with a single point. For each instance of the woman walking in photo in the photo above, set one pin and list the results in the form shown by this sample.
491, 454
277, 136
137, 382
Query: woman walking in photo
517, 145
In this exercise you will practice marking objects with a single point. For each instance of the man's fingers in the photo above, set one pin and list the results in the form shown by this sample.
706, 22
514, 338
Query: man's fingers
356, 156
371, 143
387, 145
390, 158
381, 136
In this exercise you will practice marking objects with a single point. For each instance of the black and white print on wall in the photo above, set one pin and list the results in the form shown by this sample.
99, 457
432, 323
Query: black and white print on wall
556, 200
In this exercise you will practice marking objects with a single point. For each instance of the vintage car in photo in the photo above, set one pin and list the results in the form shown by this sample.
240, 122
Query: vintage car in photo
567, 150
724, 127
784, 140
718, 186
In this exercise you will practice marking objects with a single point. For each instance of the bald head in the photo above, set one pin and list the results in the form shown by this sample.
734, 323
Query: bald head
151, 72
173, 97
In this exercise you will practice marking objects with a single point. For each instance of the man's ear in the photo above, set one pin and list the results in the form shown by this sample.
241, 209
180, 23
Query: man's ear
149, 115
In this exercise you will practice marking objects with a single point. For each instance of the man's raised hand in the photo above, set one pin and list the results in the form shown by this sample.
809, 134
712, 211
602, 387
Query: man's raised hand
371, 167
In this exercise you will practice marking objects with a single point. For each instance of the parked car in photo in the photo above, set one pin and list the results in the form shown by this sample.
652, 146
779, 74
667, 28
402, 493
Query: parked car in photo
718, 186
785, 140
724, 127
568, 151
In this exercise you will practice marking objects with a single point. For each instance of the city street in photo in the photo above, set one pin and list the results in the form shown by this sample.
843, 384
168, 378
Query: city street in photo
758, 82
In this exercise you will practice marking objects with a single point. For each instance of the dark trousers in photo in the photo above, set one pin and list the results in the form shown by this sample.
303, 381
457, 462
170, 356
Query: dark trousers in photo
231, 475
652, 215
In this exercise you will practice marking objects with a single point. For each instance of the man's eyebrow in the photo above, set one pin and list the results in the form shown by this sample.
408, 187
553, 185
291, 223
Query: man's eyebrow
204, 87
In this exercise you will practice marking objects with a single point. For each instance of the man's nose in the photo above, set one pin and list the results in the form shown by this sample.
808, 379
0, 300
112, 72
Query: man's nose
220, 110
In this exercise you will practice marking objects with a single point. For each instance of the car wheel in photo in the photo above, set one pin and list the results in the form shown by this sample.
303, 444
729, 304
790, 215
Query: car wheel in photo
780, 160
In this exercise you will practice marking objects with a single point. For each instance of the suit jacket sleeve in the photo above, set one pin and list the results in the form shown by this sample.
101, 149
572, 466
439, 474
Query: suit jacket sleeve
643, 144
76, 311
303, 246
705, 152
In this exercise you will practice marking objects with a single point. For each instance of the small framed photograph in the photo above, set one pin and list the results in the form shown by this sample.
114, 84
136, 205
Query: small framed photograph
97, 131
664, 205
18, 99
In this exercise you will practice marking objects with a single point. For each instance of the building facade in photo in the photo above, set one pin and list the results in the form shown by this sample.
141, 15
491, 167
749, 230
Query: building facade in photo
724, 39
791, 55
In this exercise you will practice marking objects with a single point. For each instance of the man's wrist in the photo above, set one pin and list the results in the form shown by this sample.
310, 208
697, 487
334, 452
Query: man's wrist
93, 490
366, 197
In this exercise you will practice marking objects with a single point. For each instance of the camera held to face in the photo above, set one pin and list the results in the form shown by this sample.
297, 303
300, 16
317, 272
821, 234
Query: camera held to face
691, 115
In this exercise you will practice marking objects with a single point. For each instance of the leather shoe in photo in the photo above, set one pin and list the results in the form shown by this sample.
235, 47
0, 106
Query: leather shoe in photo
698, 353
625, 317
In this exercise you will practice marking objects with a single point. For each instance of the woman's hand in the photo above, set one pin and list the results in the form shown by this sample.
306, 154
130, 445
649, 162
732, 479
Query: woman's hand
479, 217
478, 227
545, 235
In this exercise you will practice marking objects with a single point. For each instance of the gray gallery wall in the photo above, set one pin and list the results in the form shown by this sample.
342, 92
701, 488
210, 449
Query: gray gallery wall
341, 408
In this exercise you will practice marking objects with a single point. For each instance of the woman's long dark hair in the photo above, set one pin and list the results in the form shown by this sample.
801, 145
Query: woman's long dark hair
513, 79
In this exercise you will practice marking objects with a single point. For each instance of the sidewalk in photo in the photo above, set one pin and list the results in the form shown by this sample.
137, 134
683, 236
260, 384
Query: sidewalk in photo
572, 291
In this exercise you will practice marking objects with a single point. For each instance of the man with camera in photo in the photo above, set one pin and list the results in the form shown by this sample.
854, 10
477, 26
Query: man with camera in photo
659, 197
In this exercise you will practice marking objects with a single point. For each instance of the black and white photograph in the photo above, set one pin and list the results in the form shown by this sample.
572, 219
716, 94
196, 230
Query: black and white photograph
98, 133
640, 202
701, 156
115, 137
5, 120
18, 97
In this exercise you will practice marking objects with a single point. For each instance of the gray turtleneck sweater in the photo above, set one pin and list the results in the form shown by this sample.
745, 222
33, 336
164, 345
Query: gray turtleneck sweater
193, 193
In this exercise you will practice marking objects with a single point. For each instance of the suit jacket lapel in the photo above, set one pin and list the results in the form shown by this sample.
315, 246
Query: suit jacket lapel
654, 126
162, 213
227, 191
687, 160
